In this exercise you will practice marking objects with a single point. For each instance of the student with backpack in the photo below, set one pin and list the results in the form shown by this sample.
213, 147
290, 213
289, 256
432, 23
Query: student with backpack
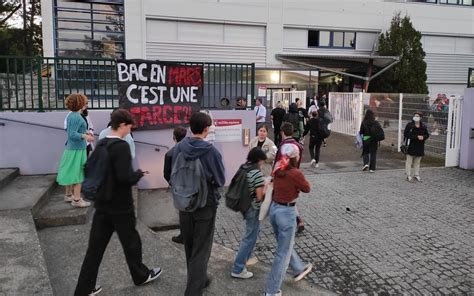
197, 173
179, 133
288, 181
293, 117
416, 133
317, 133
254, 181
114, 209
372, 133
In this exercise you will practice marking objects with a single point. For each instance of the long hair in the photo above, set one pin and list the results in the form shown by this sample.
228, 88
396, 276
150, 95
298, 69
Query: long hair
369, 116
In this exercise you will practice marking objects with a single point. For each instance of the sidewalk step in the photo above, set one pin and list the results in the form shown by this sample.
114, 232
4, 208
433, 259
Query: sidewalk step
57, 212
7, 175
26, 192
156, 209
23, 268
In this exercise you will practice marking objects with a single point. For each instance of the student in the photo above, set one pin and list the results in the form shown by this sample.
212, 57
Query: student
260, 113
71, 166
288, 181
369, 145
263, 142
179, 133
128, 138
416, 133
197, 227
256, 157
277, 116
313, 127
115, 213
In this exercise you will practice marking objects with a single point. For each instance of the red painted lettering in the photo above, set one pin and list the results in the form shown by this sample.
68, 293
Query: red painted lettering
167, 114
157, 114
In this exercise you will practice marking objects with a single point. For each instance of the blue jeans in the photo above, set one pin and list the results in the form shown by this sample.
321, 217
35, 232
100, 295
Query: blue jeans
247, 245
283, 220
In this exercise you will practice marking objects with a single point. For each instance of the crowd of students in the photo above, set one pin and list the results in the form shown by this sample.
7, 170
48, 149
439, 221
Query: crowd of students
273, 174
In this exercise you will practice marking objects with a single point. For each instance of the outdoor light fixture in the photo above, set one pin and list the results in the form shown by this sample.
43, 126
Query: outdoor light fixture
275, 77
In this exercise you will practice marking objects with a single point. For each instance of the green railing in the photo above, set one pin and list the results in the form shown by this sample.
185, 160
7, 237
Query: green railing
470, 78
42, 83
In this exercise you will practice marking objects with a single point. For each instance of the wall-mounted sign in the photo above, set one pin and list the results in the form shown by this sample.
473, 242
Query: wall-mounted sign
228, 130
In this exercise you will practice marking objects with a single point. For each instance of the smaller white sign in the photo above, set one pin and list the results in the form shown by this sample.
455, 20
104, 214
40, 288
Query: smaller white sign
228, 130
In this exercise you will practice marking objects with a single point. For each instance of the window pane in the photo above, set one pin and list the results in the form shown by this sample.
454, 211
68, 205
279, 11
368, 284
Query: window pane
109, 36
295, 77
338, 39
467, 2
74, 25
75, 14
313, 37
73, 34
349, 39
70, 4
324, 38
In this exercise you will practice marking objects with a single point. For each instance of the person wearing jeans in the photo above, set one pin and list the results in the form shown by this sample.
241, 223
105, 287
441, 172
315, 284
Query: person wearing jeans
287, 183
415, 134
256, 157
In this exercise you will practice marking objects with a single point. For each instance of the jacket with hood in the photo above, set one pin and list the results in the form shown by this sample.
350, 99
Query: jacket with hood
416, 147
211, 161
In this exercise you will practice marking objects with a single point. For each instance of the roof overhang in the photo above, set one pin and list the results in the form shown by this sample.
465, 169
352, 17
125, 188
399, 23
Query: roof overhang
341, 64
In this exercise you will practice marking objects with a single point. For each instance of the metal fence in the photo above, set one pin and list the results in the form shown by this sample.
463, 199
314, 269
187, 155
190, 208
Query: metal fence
42, 83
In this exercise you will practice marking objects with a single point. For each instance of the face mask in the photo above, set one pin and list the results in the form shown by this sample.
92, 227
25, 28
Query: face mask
416, 118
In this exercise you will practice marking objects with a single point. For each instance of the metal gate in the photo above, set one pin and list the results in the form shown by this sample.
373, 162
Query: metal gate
453, 140
347, 111
288, 97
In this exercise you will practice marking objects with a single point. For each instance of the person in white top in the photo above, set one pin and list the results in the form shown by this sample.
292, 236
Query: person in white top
260, 113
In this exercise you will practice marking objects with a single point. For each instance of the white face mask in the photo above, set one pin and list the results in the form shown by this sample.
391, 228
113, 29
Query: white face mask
416, 118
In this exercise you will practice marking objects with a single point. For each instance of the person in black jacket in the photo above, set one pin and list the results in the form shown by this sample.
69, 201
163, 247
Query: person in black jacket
313, 126
369, 145
178, 134
415, 134
115, 212
277, 116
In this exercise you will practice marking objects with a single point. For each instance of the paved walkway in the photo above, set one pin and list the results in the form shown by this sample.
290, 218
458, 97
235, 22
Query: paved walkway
377, 233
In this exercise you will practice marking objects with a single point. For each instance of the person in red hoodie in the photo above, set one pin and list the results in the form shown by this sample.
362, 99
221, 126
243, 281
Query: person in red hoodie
287, 138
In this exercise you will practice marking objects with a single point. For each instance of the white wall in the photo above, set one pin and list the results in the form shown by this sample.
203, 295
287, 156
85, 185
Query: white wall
47, 27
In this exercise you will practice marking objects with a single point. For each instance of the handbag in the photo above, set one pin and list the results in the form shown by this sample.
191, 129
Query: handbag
267, 201
404, 147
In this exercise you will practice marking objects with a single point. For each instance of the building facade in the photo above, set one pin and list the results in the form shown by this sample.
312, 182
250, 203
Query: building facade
307, 45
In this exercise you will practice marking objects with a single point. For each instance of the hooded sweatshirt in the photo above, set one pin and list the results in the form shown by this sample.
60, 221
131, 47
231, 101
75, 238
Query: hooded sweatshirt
211, 160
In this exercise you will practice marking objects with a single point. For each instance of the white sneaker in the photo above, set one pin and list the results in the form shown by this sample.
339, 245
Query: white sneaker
277, 294
153, 275
252, 261
371, 171
68, 198
418, 178
365, 167
313, 162
410, 179
302, 275
245, 274
80, 203
96, 291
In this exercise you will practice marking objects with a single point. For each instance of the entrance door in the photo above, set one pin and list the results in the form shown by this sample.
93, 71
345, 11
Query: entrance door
453, 140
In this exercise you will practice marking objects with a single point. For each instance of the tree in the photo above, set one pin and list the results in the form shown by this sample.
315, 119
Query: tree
409, 75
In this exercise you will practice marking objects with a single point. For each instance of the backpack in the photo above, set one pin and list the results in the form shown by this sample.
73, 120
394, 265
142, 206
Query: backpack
294, 119
188, 184
327, 117
237, 197
324, 130
376, 132
96, 169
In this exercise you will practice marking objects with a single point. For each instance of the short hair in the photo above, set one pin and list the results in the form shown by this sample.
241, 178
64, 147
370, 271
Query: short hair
199, 121
260, 100
120, 116
297, 99
263, 126
179, 133
287, 129
255, 155
75, 102
419, 113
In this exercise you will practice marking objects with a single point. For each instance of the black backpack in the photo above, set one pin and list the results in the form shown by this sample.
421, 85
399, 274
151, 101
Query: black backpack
324, 130
237, 197
376, 132
294, 119
96, 169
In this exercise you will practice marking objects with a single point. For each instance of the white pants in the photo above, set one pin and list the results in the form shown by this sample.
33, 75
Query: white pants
415, 162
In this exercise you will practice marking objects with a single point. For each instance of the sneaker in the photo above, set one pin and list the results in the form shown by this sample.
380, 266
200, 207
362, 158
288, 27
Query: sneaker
308, 269
154, 274
410, 179
252, 261
435, 133
244, 274
68, 198
207, 283
372, 171
365, 167
80, 203
418, 178
96, 291
316, 165
277, 294
178, 239
313, 162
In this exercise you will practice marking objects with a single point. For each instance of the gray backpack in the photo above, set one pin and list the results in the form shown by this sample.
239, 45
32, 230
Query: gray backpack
188, 184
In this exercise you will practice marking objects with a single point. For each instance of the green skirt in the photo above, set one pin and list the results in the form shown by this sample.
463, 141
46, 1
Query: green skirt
71, 167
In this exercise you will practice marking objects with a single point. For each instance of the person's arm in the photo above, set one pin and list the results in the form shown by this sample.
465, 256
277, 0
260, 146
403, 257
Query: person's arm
426, 134
167, 168
259, 184
122, 162
307, 128
73, 133
218, 175
300, 181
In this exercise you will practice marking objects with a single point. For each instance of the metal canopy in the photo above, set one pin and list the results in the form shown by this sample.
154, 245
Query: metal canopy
341, 64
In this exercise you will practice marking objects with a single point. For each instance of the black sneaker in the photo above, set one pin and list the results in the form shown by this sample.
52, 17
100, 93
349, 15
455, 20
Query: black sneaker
154, 274
178, 239
96, 291
208, 282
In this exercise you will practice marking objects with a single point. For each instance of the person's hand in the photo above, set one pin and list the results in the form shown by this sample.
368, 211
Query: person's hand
420, 138
89, 138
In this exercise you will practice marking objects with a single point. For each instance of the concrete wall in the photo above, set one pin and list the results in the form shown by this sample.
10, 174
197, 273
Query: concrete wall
467, 144
37, 150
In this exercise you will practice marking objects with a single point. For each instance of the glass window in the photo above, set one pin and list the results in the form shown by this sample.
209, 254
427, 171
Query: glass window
74, 14
313, 38
267, 76
324, 38
338, 39
74, 25
295, 77
74, 34
349, 39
